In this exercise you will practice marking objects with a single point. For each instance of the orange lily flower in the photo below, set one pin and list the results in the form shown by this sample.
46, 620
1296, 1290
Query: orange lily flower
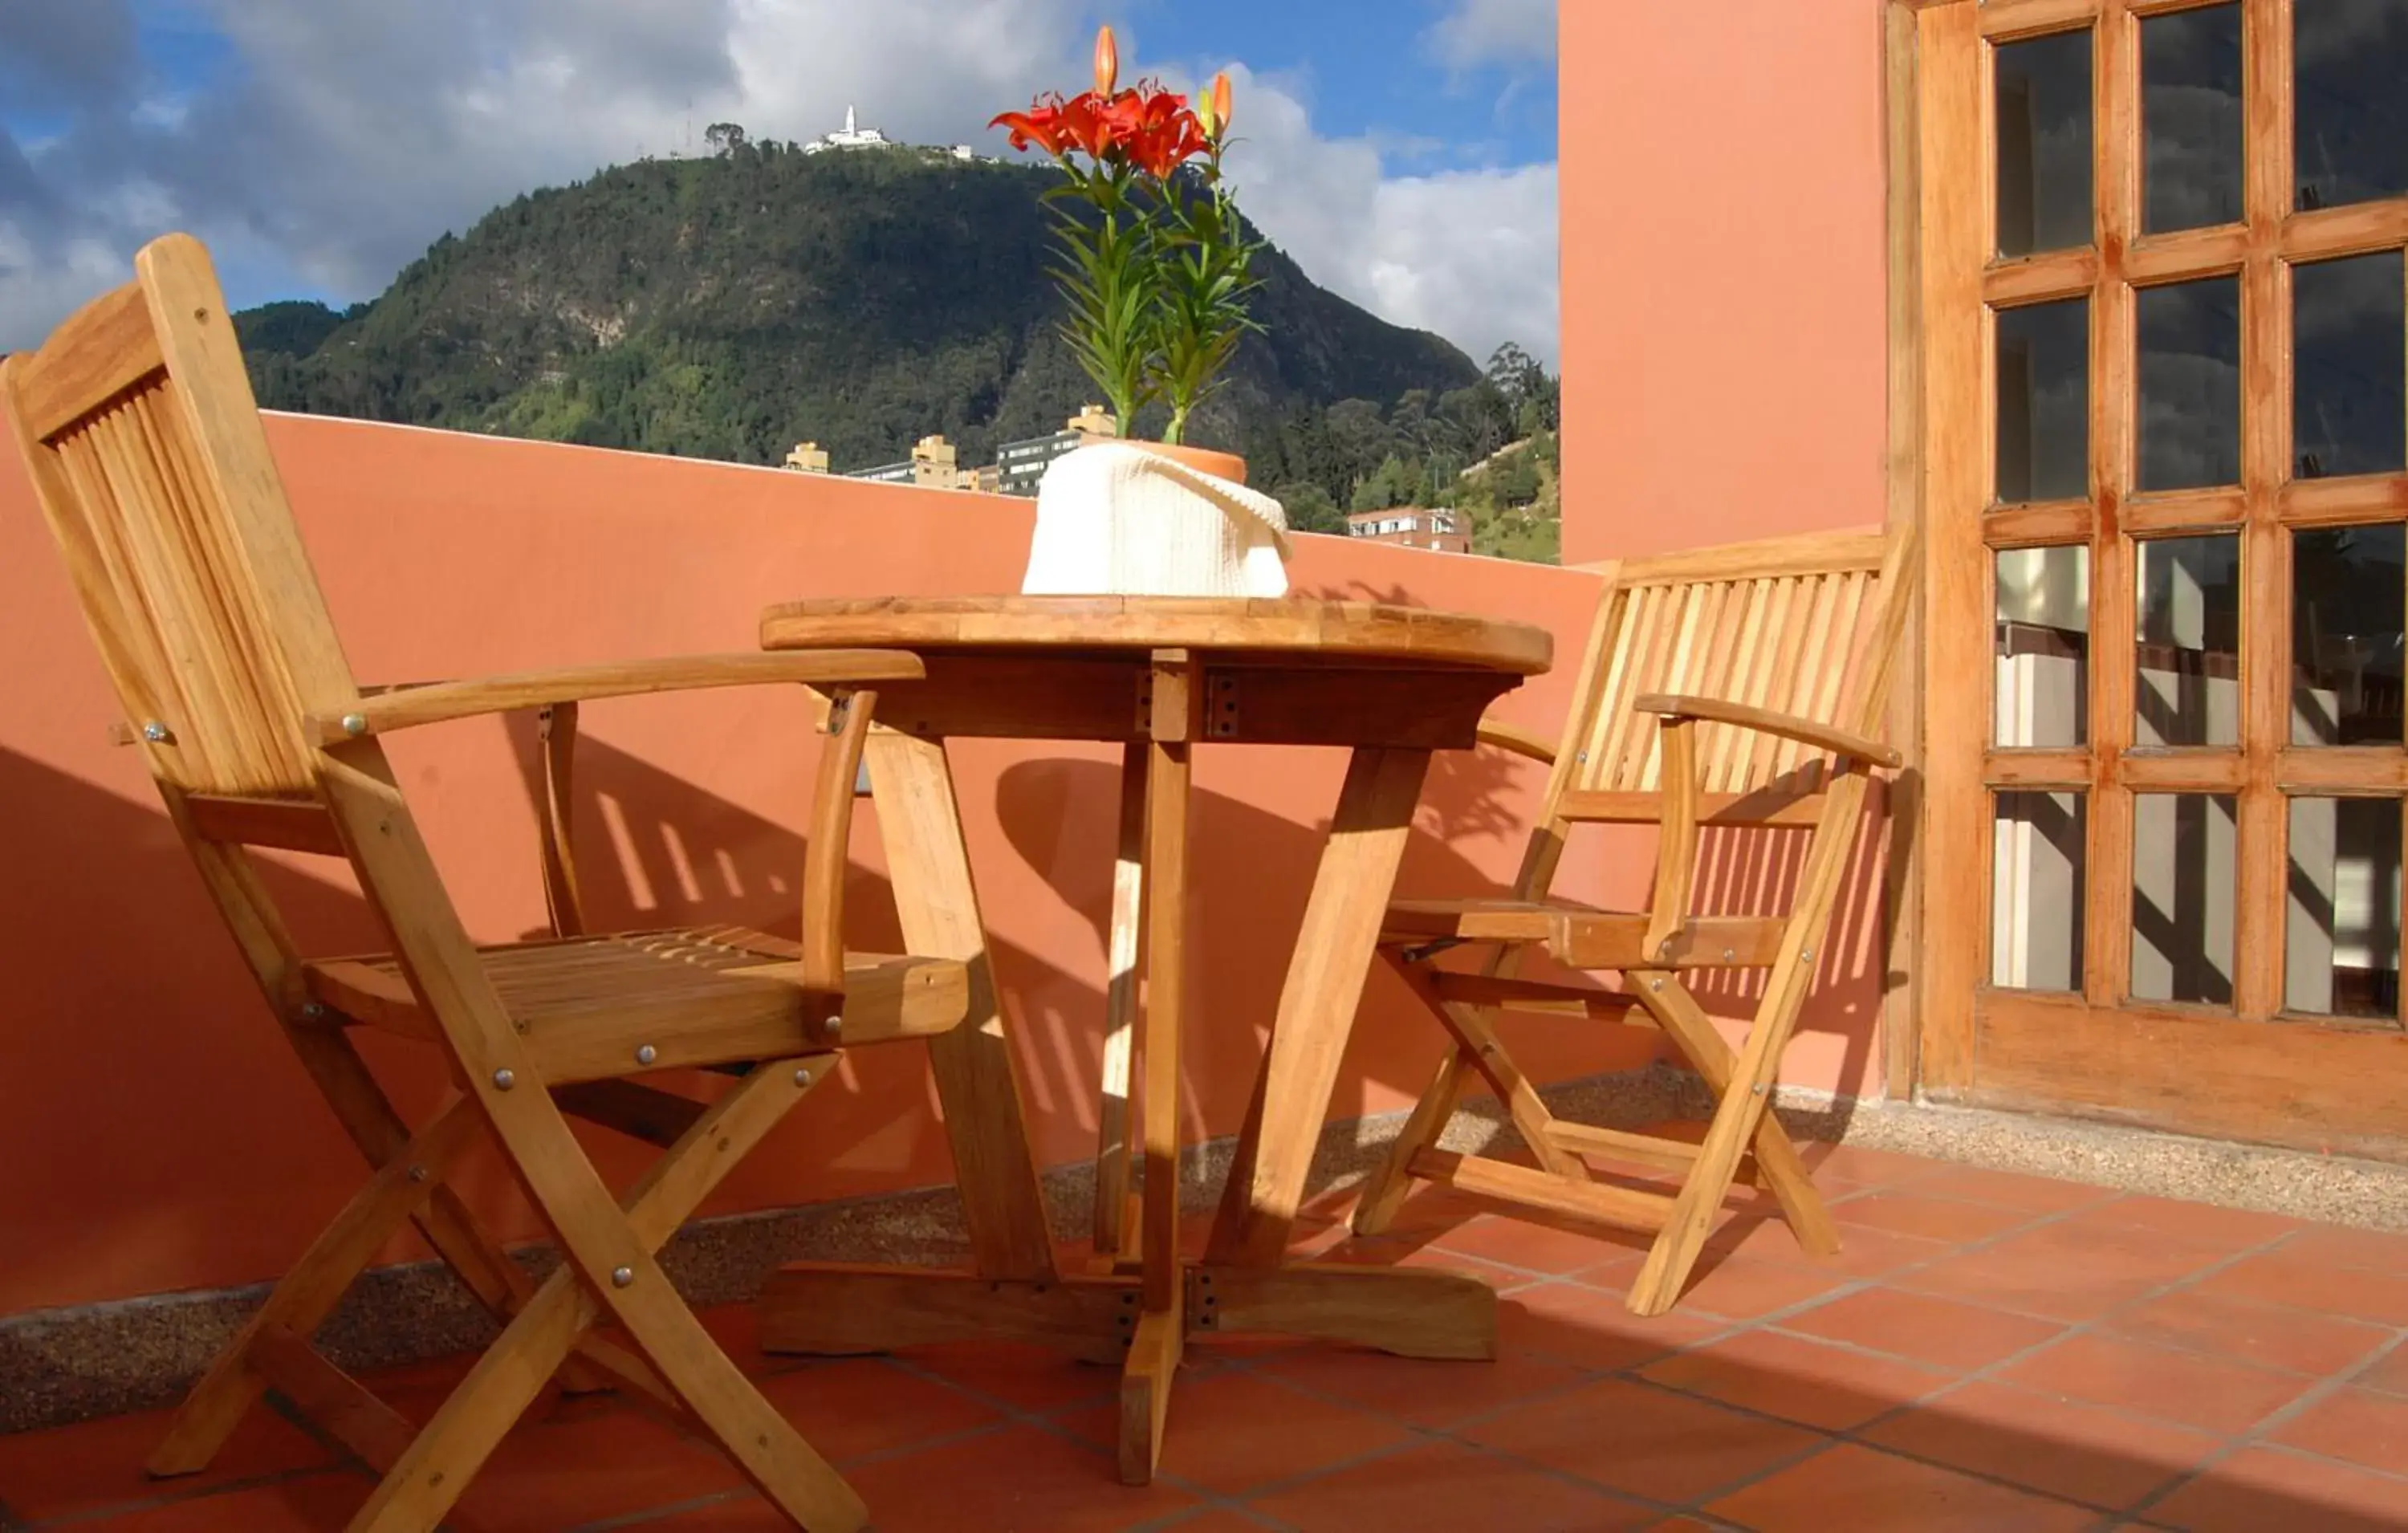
1107, 62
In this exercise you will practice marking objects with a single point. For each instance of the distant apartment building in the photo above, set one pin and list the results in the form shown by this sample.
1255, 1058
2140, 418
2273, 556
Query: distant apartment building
1019, 466
931, 467
1410, 528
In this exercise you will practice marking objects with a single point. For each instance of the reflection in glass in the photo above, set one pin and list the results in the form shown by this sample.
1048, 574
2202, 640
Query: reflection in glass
2190, 118
2044, 402
2036, 892
2347, 363
2346, 609
2189, 689
2043, 99
2349, 58
2044, 646
2341, 944
2182, 897
2191, 384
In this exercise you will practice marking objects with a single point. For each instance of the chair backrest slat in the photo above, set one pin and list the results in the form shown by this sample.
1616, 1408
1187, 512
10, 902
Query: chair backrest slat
1801, 625
138, 424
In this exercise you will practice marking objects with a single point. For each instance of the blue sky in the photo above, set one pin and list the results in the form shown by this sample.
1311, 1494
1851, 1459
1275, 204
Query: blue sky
1402, 150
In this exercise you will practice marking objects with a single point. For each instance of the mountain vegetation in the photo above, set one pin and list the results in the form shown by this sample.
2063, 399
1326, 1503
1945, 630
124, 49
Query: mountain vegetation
732, 306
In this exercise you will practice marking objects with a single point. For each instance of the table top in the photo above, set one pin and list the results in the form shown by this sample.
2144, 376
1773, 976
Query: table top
1299, 630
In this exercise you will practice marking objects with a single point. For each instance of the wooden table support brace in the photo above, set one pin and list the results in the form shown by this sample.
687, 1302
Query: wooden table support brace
1390, 683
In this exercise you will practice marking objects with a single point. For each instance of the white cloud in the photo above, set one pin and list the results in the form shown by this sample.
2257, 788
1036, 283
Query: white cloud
353, 132
1479, 32
1470, 253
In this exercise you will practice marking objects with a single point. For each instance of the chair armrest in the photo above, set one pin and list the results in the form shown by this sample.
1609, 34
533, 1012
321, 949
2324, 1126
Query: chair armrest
406, 708
1787, 725
1521, 742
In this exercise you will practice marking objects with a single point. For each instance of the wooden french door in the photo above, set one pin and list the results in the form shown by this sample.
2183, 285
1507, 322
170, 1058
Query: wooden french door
2164, 324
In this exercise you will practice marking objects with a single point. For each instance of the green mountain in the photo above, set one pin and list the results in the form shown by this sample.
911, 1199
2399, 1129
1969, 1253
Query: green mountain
728, 307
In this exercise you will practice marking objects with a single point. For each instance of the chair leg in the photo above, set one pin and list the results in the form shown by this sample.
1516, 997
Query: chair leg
309, 1292
1740, 1120
1479, 1050
1783, 1169
1476, 1041
1392, 1181
370, 1117
608, 1265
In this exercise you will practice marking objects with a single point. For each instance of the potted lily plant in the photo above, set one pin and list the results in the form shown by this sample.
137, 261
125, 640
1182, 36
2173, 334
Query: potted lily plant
1156, 276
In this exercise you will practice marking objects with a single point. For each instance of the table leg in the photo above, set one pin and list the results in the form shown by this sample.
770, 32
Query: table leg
1120, 1008
977, 1078
1316, 1010
1161, 1330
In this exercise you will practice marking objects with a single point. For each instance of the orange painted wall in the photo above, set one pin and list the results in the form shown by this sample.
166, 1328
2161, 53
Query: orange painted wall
1724, 328
1723, 271
156, 1133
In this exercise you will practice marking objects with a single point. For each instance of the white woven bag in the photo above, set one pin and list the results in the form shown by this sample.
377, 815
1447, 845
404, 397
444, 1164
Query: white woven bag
1116, 520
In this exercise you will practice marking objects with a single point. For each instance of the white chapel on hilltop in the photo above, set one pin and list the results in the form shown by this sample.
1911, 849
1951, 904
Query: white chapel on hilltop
852, 135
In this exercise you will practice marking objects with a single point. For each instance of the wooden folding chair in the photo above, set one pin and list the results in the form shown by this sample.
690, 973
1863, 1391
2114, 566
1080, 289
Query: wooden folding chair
148, 456
1736, 686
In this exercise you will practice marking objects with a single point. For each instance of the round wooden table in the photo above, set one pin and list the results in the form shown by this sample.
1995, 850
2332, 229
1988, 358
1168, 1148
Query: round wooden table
1159, 676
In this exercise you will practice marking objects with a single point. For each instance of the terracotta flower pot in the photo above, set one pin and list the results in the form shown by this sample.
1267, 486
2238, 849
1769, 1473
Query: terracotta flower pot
1227, 466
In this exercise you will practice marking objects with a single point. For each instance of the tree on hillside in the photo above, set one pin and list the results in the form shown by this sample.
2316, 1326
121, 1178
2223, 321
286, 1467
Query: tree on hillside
723, 137
1310, 508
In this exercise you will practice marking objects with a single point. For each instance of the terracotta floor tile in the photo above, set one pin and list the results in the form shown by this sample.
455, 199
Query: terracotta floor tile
2190, 1389
1856, 1163
99, 1463
2380, 1250
1914, 1212
2390, 1372
2079, 1452
2234, 1230
741, 1511
1864, 1251
2288, 1277
1022, 1375
602, 1462
1528, 1246
1941, 1331
2266, 1488
310, 1504
1590, 1328
1870, 1492
850, 1407
1216, 1520
1425, 1393
1744, 1287
1645, 1441
2358, 1424
1443, 1487
2063, 1270
2009, 1189
1810, 1382
2301, 1341
1239, 1431
1020, 1480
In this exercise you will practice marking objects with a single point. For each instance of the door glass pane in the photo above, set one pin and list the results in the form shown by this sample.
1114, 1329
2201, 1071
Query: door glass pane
2190, 118
2043, 104
2341, 944
2189, 689
2347, 363
2036, 892
2044, 402
2044, 646
2182, 897
2191, 384
2346, 607
2352, 120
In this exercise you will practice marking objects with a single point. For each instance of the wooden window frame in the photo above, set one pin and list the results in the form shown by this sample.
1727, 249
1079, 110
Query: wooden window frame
2251, 1072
